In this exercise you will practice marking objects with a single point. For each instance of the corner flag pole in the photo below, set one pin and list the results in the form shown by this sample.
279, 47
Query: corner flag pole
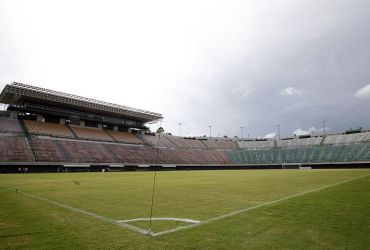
160, 130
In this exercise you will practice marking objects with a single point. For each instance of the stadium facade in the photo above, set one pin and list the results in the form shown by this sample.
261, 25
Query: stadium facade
46, 130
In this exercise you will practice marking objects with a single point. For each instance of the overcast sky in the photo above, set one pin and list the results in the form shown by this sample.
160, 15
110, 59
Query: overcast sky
227, 63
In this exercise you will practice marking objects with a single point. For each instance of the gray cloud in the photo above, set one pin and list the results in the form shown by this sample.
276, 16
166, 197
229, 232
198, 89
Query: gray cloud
227, 64
328, 59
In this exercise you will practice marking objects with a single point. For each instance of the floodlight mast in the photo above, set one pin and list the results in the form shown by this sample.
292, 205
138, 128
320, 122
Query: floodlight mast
241, 130
323, 126
210, 132
180, 128
278, 128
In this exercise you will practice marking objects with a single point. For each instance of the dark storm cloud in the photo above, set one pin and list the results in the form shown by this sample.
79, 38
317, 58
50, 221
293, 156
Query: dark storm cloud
324, 70
227, 64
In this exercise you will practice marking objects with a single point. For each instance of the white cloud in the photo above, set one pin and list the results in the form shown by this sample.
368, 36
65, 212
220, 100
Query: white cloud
363, 92
300, 131
270, 136
290, 91
313, 129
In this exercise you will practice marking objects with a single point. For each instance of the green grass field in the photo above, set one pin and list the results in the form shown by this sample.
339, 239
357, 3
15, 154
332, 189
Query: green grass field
81, 210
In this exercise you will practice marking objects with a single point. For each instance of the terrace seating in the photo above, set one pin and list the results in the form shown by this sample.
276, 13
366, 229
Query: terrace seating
335, 139
256, 144
219, 144
304, 142
132, 154
216, 157
173, 150
91, 134
9, 125
186, 156
365, 137
14, 148
200, 156
47, 150
163, 141
181, 142
350, 152
364, 154
324, 153
124, 137
87, 152
347, 138
48, 129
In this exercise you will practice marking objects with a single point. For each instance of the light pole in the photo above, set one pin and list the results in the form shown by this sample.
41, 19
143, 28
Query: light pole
241, 130
210, 132
278, 127
180, 128
323, 126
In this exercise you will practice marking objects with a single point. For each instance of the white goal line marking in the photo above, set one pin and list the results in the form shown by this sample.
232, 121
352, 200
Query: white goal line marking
217, 218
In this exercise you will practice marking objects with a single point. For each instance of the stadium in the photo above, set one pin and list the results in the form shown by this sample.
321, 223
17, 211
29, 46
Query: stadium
49, 131
228, 124
58, 133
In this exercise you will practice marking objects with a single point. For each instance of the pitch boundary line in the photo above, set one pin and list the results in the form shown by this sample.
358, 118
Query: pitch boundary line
96, 216
220, 217
123, 223
161, 219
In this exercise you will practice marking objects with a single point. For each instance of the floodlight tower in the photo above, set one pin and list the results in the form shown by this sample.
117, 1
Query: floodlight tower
278, 128
241, 131
323, 126
210, 132
180, 128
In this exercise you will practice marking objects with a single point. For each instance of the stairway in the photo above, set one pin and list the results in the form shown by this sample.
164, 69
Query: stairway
146, 142
110, 152
73, 132
322, 140
64, 151
28, 141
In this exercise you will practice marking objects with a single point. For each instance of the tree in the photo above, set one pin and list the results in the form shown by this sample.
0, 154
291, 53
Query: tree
160, 130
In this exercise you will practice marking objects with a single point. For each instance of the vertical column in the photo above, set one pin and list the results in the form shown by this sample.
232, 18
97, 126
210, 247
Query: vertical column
39, 118
14, 114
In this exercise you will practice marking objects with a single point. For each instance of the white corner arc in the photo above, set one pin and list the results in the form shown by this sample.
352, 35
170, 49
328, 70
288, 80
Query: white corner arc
160, 219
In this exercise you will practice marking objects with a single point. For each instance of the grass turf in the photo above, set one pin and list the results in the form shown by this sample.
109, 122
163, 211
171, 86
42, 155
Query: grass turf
333, 218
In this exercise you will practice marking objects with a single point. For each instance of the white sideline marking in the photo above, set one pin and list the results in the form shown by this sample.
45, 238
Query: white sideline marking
249, 208
161, 219
96, 216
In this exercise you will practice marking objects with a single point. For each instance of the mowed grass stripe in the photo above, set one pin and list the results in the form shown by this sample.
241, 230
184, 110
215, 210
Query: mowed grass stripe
198, 195
144, 231
252, 208
332, 219
268, 227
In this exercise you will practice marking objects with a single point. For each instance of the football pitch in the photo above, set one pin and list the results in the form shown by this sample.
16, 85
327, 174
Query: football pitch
259, 209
